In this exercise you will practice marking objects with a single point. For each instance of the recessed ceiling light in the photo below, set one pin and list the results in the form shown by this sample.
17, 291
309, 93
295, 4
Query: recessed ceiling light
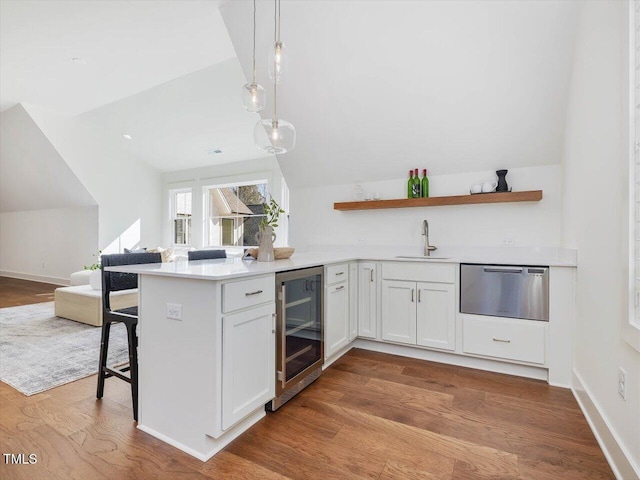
127, 136
79, 61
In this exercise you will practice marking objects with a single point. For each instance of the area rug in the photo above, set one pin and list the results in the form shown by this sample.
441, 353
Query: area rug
39, 351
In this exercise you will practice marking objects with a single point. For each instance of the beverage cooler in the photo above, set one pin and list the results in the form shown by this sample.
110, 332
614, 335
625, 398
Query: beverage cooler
299, 331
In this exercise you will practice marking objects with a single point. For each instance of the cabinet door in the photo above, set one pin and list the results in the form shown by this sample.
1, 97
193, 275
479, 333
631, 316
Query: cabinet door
367, 300
336, 315
436, 315
353, 301
248, 362
399, 311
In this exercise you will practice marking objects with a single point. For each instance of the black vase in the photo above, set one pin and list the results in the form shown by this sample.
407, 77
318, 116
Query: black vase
502, 182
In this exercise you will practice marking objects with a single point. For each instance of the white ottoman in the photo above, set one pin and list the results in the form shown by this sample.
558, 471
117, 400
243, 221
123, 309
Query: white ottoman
84, 304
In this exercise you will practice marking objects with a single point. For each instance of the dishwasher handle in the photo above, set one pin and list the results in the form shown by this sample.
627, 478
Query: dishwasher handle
503, 269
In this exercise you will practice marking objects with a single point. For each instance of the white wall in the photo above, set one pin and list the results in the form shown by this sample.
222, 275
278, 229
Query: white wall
197, 179
48, 245
595, 213
315, 222
127, 190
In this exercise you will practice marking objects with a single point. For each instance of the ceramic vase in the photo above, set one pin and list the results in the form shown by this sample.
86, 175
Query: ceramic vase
502, 182
265, 245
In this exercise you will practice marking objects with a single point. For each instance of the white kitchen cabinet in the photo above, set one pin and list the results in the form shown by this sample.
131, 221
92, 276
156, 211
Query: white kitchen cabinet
248, 362
353, 301
336, 326
399, 311
367, 300
419, 305
436, 315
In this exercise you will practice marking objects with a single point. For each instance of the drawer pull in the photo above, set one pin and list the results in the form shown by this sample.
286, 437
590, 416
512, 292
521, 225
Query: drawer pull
339, 273
248, 294
339, 288
501, 340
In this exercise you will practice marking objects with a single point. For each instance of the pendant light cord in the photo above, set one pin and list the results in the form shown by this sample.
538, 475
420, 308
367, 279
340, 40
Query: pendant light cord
254, 42
276, 35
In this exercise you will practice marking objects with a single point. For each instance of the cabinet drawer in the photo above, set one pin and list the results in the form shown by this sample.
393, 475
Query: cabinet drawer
419, 272
521, 340
247, 293
337, 273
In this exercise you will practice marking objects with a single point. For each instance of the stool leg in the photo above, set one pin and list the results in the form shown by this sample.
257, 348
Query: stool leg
133, 367
104, 349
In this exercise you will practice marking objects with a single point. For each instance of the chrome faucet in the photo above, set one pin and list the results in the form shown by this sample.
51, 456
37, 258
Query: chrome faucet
425, 231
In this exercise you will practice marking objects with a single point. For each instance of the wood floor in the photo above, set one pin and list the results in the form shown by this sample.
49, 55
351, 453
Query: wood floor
370, 415
15, 292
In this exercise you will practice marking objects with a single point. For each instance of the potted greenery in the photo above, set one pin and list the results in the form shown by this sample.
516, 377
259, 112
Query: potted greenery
266, 235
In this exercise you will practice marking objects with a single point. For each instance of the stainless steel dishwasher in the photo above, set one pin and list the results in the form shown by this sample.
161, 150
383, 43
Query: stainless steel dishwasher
505, 291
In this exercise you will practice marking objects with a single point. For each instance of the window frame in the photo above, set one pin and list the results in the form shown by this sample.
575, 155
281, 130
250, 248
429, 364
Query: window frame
631, 327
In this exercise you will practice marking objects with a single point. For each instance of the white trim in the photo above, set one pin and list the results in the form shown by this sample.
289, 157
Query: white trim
614, 450
35, 278
216, 444
337, 355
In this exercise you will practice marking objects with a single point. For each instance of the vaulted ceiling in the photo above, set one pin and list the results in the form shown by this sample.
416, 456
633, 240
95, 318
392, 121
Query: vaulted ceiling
377, 87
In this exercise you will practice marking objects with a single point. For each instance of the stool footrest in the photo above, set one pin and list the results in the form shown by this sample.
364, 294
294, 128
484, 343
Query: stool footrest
108, 372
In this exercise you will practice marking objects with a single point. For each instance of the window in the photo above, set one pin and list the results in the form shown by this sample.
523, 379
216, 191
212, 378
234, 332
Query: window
234, 213
181, 212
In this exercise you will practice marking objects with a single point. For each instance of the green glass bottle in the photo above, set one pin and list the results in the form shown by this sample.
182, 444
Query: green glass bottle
416, 185
425, 184
410, 185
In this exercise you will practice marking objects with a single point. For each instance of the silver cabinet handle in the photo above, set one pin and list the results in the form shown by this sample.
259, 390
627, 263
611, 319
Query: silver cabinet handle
502, 270
273, 328
248, 294
339, 273
339, 288
419, 296
372, 274
413, 292
501, 340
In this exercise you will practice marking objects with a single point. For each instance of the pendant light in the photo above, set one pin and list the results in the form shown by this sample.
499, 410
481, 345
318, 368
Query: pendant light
253, 96
277, 54
275, 135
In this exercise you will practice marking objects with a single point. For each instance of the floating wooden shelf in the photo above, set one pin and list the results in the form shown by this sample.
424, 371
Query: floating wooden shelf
528, 196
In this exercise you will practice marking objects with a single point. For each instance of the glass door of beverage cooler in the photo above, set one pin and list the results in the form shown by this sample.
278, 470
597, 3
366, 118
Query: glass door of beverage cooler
300, 314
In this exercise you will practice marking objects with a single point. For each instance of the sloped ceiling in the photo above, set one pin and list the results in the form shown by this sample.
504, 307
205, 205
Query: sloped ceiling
377, 87
33, 176
182, 123
122, 47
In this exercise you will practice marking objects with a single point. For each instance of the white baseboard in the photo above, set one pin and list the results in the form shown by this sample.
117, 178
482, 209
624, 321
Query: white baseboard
614, 451
538, 373
35, 278
337, 355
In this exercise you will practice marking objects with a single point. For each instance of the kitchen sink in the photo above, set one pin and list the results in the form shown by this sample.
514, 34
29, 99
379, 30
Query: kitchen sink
422, 257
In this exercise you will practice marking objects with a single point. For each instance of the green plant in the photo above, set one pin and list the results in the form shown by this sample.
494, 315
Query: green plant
94, 266
272, 212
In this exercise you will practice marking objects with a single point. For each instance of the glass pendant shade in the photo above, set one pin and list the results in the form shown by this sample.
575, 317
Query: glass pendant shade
274, 136
278, 62
253, 97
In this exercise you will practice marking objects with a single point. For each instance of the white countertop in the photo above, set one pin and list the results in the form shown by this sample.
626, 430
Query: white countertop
235, 267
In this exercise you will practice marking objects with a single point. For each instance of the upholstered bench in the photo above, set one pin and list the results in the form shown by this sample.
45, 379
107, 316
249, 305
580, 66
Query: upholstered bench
84, 304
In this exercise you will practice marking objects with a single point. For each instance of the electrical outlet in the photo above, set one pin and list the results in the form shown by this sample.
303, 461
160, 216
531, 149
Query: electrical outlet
174, 311
508, 241
362, 241
622, 383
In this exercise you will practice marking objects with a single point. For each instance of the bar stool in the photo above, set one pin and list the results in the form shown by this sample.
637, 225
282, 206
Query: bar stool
113, 282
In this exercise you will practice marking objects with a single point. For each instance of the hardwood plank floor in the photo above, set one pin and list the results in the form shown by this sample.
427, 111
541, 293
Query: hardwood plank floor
15, 292
370, 415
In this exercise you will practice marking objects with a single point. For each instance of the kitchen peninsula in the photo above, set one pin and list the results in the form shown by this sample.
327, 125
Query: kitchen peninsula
207, 332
